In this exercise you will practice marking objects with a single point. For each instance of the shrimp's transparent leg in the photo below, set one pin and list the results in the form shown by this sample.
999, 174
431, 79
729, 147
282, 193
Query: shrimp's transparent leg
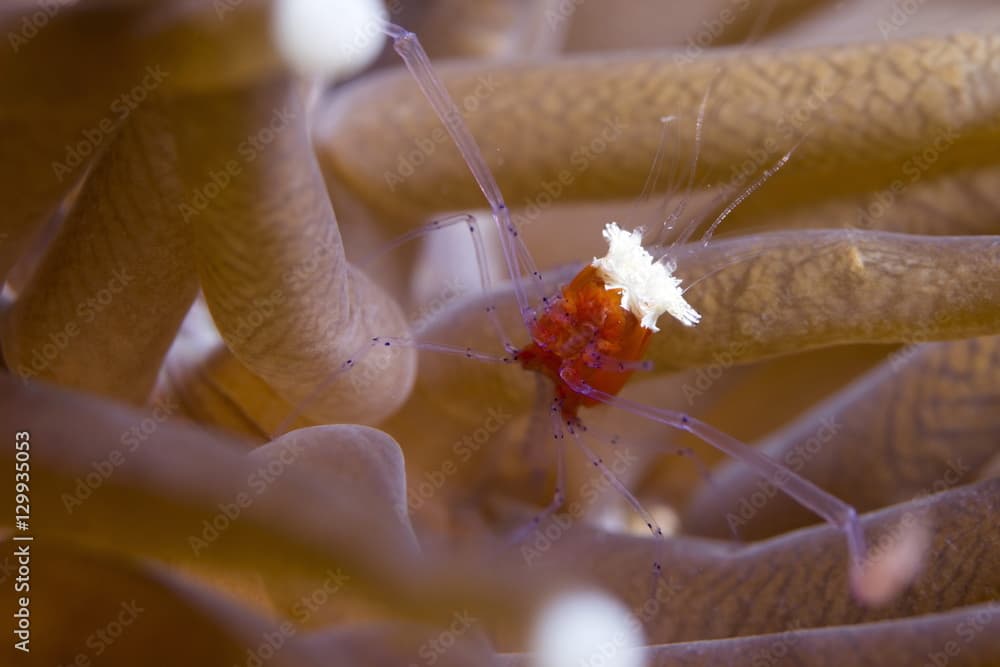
558, 495
703, 470
606, 472
482, 261
383, 341
491, 311
836, 512
605, 362
423, 230
467, 352
515, 255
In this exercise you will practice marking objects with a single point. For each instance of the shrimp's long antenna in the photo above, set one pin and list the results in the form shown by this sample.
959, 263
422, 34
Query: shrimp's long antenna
415, 58
655, 169
699, 125
669, 222
670, 256
836, 512
753, 187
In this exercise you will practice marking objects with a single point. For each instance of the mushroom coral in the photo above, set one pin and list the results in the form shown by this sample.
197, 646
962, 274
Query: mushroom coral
185, 242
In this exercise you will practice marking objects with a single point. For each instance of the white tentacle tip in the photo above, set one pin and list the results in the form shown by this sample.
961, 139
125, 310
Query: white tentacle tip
649, 288
329, 39
587, 628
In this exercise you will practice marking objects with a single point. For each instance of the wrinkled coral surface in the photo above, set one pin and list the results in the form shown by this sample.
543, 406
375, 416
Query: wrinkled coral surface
224, 470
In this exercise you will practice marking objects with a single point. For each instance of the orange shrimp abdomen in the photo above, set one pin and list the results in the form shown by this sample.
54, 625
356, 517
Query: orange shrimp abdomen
588, 331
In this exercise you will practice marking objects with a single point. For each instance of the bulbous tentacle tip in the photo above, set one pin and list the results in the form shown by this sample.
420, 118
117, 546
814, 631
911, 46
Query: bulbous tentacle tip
584, 626
329, 39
